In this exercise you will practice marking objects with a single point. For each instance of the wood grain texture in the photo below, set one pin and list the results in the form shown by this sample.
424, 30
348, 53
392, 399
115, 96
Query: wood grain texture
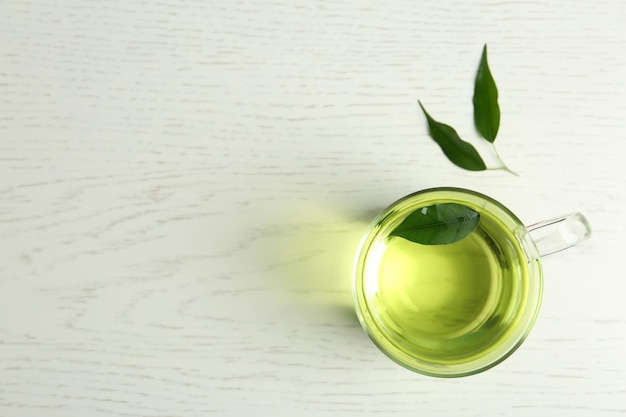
183, 185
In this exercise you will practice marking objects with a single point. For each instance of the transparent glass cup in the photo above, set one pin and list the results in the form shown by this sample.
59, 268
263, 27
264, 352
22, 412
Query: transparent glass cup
459, 309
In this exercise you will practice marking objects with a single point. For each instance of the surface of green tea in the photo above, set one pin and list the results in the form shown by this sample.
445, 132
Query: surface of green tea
451, 303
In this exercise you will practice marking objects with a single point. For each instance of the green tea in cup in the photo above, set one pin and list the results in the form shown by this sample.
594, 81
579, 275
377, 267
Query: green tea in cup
459, 306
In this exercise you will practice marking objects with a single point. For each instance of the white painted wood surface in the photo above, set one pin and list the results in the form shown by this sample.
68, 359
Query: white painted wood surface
183, 185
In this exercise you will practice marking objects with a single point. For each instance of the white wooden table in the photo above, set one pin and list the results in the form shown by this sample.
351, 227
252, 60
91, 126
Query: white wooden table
183, 186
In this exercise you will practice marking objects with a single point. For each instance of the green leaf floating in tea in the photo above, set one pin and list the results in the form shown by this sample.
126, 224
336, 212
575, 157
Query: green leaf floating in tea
439, 224
486, 109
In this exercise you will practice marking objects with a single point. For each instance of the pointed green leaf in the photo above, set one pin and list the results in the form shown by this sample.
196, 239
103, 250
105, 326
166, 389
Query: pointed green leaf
486, 108
439, 224
459, 152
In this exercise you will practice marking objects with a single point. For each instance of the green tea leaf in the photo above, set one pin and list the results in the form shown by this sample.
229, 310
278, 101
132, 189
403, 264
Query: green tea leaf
486, 109
459, 152
439, 224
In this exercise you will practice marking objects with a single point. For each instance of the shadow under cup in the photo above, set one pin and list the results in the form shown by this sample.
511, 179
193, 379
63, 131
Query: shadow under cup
448, 310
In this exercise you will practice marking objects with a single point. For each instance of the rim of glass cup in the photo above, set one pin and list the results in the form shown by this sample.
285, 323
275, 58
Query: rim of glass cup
491, 358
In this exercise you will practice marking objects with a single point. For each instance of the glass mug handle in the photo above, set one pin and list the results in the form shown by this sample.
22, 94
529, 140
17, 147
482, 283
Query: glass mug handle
560, 233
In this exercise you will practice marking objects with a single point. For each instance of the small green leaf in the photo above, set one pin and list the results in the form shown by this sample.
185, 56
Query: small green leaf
459, 152
486, 109
439, 224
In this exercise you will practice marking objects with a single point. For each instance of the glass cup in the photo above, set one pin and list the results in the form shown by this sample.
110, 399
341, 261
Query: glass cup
461, 308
